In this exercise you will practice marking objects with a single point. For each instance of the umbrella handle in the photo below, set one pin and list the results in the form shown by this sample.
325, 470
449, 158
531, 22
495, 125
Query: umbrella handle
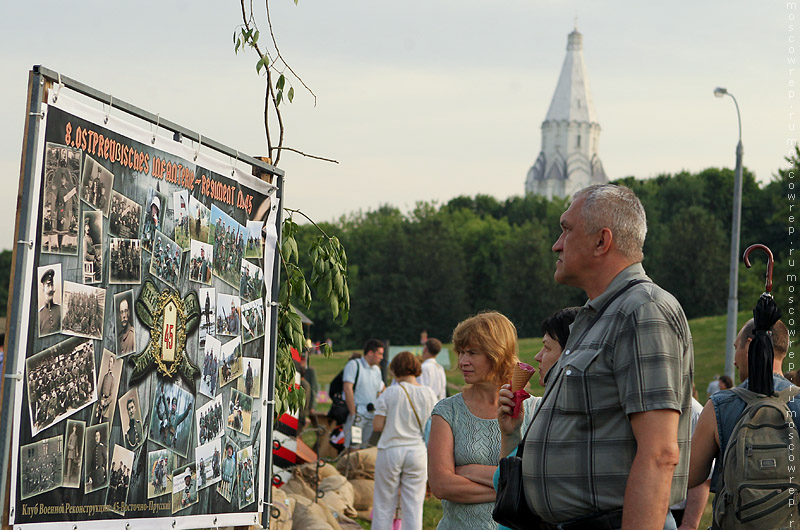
770, 262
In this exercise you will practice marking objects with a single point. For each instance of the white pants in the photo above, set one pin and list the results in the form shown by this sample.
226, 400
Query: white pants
365, 423
403, 469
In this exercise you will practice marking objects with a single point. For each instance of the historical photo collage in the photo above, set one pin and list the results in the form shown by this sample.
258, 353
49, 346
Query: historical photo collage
88, 435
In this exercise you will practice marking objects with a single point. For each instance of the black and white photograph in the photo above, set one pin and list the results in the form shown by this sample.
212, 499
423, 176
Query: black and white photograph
119, 479
49, 299
60, 382
124, 216
41, 466
246, 479
130, 416
228, 237
240, 412
253, 320
209, 421
208, 307
202, 259
166, 261
159, 472
92, 247
199, 217
250, 382
229, 470
125, 266
255, 240
229, 316
231, 366
97, 185
96, 461
108, 376
209, 463
180, 211
152, 217
83, 310
73, 453
211, 361
62, 209
251, 282
126, 334
184, 487
172, 417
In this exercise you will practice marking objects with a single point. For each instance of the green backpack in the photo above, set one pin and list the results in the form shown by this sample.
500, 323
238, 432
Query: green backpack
759, 487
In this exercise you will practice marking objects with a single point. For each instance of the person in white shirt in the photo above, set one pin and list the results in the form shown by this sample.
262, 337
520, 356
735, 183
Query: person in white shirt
362, 382
433, 372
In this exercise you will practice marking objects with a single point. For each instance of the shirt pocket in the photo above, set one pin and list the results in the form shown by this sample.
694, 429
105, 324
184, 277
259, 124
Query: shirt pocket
573, 394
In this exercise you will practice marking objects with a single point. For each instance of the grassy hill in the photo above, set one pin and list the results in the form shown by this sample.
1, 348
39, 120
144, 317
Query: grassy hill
708, 335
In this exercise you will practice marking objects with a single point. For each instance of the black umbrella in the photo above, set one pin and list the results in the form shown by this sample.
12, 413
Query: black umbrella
765, 314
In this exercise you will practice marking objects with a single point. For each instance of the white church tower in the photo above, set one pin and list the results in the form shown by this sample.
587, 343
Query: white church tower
568, 160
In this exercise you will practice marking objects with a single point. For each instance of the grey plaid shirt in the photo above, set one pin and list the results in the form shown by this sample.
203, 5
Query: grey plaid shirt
637, 357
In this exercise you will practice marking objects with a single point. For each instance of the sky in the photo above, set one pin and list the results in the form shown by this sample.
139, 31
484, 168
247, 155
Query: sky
422, 100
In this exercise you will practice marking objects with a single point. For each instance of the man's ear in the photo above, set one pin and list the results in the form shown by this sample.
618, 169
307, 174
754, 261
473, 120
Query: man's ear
603, 241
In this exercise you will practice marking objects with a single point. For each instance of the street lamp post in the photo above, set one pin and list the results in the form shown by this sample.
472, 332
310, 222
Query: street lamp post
736, 222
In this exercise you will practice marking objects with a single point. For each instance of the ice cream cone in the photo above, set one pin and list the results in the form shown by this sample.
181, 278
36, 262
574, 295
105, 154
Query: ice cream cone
521, 375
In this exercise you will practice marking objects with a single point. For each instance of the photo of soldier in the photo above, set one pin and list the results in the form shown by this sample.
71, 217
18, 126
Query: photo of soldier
159, 466
228, 238
124, 217
209, 459
184, 488
92, 247
108, 377
180, 211
60, 381
246, 479
231, 364
228, 315
130, 416
210, 369
253, 320
209, 421
96, 453
228, 470
119, 479
202, 258
97, 185
126, 336
83, 310
153, 217
73, 453
125, 265
250, 382
41, 466
198, 220
166, 261
49, 299
171, 417
255, 240
251, 282
208, 307
240, 412
61, 204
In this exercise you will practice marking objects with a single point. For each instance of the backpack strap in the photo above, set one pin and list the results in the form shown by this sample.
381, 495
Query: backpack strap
750, 397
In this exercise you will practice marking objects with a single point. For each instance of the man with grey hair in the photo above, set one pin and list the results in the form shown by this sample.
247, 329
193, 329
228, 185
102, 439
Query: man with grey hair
613, 426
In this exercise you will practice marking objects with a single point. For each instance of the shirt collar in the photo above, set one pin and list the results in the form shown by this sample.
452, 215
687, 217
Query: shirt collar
631, 272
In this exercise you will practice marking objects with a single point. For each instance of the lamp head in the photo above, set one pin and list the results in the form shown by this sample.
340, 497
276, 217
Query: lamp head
719, 92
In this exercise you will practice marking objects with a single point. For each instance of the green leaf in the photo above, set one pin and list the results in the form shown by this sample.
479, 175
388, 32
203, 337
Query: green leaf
260, 65
291, 94
280, 83
255, 37
334, 304
278, 99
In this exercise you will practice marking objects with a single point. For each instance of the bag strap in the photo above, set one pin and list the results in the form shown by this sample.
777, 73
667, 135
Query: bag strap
750, 397
358, 372
521, 447
412, 407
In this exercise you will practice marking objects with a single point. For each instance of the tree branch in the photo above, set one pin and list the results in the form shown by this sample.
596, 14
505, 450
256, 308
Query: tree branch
310, 220
293, 150
278, 53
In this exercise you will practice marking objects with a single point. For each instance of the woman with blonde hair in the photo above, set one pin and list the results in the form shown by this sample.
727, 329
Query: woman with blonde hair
464, 446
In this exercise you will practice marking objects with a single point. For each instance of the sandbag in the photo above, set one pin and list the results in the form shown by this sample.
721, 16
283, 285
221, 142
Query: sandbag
308, 472
358, 464
309, 515
281, 511
296, 485
362, 493
337, 494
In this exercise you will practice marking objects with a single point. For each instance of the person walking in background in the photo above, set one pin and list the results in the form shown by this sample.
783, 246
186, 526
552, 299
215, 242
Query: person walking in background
725, 382
432, 372
362, 383
401, 465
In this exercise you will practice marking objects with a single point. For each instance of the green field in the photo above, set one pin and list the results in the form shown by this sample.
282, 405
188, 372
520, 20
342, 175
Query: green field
708, 335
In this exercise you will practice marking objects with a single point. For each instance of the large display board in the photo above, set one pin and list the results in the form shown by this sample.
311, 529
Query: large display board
144, 355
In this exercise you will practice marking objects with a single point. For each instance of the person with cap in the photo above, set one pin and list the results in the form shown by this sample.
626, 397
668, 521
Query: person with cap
151, 221
134, 435
189, 492
50, 312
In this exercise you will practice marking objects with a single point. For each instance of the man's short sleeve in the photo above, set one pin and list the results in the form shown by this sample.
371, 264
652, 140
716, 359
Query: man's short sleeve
649, 358
350, 370
380, 405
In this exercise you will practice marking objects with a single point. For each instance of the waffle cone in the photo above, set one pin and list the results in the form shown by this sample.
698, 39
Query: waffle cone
520, 378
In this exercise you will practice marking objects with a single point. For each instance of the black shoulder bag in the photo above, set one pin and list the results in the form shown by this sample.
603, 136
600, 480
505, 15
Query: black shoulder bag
511, 508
